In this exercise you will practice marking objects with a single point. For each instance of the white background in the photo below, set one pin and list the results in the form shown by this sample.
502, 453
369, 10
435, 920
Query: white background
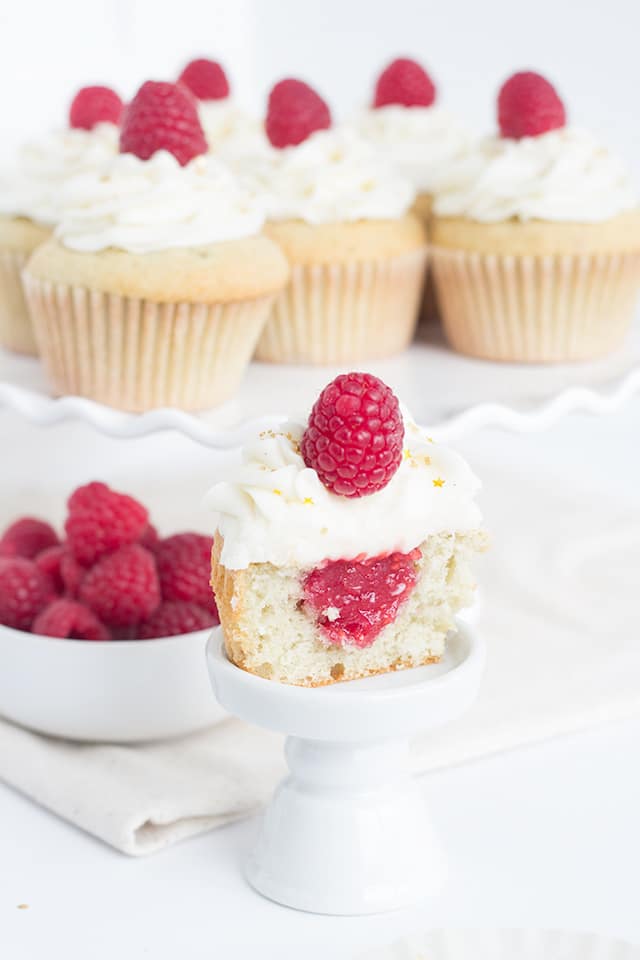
544, 836
588, 47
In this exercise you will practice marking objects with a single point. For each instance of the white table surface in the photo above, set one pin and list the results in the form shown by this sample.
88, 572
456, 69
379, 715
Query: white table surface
543, 836
546, 836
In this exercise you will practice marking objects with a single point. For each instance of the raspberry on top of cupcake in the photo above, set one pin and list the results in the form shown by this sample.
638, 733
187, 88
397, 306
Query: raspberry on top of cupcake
537, 167
407, 126
342, 543
320, 173
229, 129
162, 191
31, 188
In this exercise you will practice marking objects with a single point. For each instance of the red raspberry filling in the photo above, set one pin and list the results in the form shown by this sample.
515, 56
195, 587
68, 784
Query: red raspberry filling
354, 600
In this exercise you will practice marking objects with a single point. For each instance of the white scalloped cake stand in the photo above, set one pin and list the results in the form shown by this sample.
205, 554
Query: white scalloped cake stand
451, 393
347, 832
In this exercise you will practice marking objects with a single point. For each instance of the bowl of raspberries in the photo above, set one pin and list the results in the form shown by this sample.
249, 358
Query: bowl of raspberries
103, 624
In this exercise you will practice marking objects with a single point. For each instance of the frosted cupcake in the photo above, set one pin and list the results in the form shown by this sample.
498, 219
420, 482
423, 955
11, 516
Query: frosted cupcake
143, 298
30, 197
417, 136
536, 238
230, 131
343, 544
341, 216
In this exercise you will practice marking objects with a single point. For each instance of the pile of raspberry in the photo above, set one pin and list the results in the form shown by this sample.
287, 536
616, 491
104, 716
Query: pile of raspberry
111, 578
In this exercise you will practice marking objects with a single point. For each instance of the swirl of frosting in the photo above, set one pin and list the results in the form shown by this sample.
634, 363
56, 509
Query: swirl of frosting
419, 142
564, 175
229, 129
333, 176
146, 205
274, 509
32, 188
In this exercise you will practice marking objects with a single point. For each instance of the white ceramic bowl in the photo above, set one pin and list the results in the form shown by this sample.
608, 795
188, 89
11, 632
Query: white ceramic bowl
116, 692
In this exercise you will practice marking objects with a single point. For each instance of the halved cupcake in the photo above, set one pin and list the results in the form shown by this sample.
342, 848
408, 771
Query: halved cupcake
343, 545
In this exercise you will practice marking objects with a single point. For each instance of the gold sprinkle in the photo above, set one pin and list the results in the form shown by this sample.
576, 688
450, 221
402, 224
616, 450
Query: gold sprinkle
278, 493
23, 906
406, 453
308, 500
426, 461
438, 482
430, 439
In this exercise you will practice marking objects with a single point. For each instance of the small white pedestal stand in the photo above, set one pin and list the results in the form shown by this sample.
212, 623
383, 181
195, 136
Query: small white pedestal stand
347, 831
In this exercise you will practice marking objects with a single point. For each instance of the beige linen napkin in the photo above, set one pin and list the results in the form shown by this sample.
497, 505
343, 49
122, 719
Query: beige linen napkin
562, 623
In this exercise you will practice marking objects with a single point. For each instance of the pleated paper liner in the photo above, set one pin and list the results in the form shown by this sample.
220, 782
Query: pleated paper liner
137, 355
16, 328
345, 312
536, 309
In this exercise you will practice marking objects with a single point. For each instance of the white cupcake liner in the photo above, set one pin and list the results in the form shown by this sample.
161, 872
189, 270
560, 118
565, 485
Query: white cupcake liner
536, 309
137, 355
16, 329
345, 312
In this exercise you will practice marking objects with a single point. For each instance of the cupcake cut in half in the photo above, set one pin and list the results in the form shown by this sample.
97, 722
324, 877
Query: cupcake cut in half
143, 297
536, 237
343, 545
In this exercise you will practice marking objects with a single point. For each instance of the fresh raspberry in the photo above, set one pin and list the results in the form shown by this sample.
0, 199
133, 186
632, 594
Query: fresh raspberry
354, 436
406, 83
354, 599
294, 112
528, 105
24, 592
174, 618
49, 562
162, 116
205, 79
93, 105
150, 539
72, 574
101, 520
27, 537
122, 589
184, 565
66, 618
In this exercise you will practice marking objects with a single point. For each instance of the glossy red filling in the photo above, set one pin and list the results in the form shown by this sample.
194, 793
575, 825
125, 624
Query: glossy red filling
353, 600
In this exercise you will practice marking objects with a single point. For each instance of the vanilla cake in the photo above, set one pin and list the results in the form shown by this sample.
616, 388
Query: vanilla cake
343, 545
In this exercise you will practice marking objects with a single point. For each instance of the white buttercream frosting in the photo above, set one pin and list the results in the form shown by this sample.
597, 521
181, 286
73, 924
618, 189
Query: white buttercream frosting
564, 175
31, 187
274, 509
419, 142
229, 129
334, 175
147, 205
